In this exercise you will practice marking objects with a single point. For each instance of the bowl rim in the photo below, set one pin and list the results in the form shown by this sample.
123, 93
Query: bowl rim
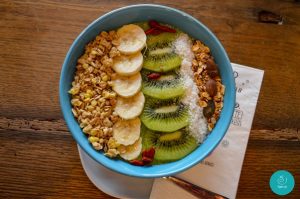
78, 141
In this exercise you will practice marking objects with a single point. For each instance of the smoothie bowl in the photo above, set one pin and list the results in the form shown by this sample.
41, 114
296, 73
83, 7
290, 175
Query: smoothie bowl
147, 91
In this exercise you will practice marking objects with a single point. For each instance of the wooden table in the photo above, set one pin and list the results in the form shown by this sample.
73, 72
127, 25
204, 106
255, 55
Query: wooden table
38, 156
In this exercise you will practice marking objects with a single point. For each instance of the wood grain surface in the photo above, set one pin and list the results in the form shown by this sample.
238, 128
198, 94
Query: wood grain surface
39, 158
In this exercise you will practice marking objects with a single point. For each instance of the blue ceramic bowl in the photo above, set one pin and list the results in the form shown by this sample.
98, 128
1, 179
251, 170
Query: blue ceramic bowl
186, 23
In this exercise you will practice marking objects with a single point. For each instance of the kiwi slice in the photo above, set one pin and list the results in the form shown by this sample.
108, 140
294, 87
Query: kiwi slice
159, 55
168, 85
165, 115
169, 146
165, 37
162, 64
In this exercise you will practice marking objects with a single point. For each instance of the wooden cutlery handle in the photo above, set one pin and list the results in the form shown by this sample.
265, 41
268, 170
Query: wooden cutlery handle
194, 189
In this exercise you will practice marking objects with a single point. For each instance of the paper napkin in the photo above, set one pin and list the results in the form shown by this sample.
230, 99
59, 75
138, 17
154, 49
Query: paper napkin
220, 172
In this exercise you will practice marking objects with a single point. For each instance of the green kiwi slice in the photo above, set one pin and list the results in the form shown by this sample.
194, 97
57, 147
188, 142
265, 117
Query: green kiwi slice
159, 56
165, 115
169, 146
165, 37
162, 64
168, 85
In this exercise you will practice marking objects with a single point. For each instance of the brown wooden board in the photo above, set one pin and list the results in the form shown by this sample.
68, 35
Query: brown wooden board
39, 158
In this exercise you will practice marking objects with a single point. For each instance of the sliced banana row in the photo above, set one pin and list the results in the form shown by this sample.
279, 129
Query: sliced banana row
127, 84
132, 39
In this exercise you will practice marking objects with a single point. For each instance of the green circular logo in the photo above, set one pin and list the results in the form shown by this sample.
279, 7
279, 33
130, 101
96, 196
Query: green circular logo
282, 182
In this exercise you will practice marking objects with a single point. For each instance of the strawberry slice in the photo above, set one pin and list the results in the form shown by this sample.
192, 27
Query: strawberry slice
153, 31
149, 153
153, 76
155, 24
147, 157
146, 160
137, 162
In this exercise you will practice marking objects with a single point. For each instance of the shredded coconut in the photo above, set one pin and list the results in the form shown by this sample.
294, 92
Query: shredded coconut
198, 124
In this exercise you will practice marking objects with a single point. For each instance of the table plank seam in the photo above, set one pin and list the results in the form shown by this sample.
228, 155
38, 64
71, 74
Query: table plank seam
59, 127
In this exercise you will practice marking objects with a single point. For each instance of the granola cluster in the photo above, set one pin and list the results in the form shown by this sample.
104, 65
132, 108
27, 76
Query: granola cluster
93, 99
209, 83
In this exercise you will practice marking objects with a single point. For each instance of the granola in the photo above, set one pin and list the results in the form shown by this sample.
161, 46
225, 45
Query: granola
208, 81
93, 98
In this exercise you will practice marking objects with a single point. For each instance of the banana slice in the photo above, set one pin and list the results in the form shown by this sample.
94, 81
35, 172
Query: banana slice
132, 39
132, 151
126, 132
128, 65
129, 108
127, 86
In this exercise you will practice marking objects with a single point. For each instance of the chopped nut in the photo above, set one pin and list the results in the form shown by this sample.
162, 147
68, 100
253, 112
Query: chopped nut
203, 103
103, 85
199, 71
115, 42
112, 95
218, 97
85, 114
112, 33
94, 52
93, 139
90, 108
105, 94
219, 105
74, 90
95, 131
112, 153
210, 126
87, 128
105, 131
114, 52
104, 78
204, 95
195, 63
110, 83
107, 62
104, 34
112, 144
97, 146
74, 112
222, 91
83, 124
94, 103
195, 47
107, 122
218, 79
113, 102
213, 120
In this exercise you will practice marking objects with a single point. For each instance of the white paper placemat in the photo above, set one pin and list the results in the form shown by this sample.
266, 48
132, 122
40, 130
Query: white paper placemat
220, 171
